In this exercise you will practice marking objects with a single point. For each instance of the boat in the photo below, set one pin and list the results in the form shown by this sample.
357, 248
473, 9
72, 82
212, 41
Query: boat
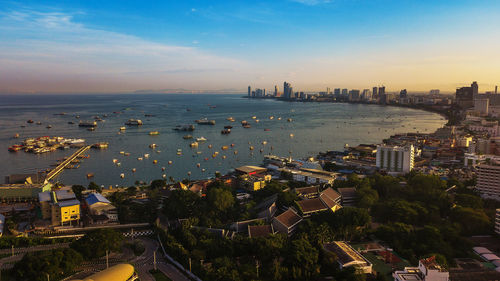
254, 117
193, 144
209, 146
169, 162
153, 145
91, 129
15, 148
87, 124
246, 126
39, 123
154, 133
122, 175
225, 131
90, 175
115, 161
163, 168
187, 137
185, 127
228, 127
140, 158
155, 161
244, 122
198, 165
232, 145
201, 139
30, 121
133, 170
71, 122
271, 117
289, 119
16, 136
146, 156
205, 121
100, 145
230, 119
257, 120
133, 122
127, 154
251, 147
224, 147
123, 128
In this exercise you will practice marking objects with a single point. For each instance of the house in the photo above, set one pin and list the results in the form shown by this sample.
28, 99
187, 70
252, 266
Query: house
98, 205
255, 182
348, 257
255, 231
60, 206
348, 195
286, 222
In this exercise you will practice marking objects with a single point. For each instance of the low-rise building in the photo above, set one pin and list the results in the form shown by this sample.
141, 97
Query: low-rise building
428, 270
348, 257
348, 195
287, 222
308, 192
255, 231
61, 207
395, 159
98, 205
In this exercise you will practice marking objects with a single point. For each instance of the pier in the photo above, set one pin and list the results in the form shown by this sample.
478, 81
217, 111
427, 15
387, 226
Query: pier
57, 170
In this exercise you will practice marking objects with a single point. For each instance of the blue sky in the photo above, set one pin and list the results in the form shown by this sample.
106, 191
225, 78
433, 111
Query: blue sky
114, 46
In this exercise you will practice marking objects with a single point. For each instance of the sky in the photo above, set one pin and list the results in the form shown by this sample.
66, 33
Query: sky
71, 46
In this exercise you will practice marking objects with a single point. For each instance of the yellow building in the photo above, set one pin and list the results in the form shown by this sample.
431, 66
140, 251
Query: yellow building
119, 272
254, 183
60, 206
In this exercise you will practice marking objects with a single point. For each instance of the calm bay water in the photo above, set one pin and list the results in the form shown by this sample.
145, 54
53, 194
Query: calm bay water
315, 127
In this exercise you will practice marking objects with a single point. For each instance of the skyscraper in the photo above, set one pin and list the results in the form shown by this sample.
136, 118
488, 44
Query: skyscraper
287, 91
375, 93
275, 90
249, 91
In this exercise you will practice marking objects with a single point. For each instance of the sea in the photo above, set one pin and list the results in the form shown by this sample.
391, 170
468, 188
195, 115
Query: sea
295, 129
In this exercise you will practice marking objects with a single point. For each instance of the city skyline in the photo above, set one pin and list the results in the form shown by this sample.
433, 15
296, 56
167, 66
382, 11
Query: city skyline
115, 47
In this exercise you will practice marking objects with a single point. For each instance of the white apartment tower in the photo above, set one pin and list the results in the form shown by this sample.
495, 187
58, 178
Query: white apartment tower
395, 159
488, 181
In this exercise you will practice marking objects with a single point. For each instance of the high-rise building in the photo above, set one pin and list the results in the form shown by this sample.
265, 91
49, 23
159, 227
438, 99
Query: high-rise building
464, 96
328, 91
488, 181
375, 93
249, 91
354, 95
336, 92
381, 90
287, 90
434, 92
276, 90
345, 93
497, 222
395, 159
403, 94
366, 95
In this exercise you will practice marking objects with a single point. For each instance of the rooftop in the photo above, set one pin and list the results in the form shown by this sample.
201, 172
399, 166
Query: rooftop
250, 169
94, 198
345, 253
311, 205
331, 193
67, 203
347, 191
306, 190
259, 230
289, 218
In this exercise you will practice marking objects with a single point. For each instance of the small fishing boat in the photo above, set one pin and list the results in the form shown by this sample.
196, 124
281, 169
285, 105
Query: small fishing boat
90, 175
289, 119
193, 144
163, 168
123, 128
153, 145
146, 156
154, 133
198, 165
230, 119
225, 131
30, 121
169, 162
187, 137
16, 136
228, 127
224, 147
254, 117
122, 175
201, 139
140, 158
133, 170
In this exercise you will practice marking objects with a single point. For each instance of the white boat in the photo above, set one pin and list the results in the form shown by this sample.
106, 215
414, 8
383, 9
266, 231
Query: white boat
201, 139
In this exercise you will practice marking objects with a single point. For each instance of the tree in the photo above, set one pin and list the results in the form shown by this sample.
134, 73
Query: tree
157, 184
94, 186
55, 263
302, 260
95, 243
77, 190
180, 204
220, 199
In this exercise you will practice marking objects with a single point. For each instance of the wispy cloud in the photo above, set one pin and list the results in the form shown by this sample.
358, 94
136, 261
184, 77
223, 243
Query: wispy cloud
51, 47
